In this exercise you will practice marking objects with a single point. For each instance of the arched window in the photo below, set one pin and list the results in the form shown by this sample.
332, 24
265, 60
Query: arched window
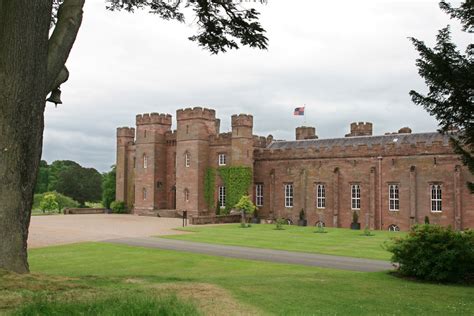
145, 161
187, 159
393, 228
144, 194
320, 224
186, 195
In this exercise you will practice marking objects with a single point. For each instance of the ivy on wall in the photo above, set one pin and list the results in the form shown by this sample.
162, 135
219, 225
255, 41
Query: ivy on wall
209, 185
237, 181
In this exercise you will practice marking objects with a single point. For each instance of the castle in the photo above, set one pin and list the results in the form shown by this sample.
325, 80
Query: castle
390, 181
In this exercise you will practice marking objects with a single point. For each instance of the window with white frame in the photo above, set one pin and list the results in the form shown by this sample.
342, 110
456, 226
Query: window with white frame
222, 197
355, 196
259, 194
320, 196
436, 199
144, 194
145, 161
289, 195
187, 159
393, 228
186, 195
222, 160
393, 198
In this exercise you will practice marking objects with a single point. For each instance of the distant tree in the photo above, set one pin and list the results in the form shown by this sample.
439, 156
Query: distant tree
246, 206
33, 64
55, 168
108, 187
43, 178
49, 203
81, 184
449, 75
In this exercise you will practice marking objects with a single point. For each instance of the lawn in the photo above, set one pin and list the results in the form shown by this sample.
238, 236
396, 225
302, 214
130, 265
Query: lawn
243, 286
336, 241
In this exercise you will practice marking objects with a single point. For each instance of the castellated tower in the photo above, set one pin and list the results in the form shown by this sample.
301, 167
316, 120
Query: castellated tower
242, 140
150, 162
124, 181
194, 128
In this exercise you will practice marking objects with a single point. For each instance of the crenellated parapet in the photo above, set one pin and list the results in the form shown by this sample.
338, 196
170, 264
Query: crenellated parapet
154, 118
242, 120
360, 129
126, 132
223, 139
259, 141
196, 113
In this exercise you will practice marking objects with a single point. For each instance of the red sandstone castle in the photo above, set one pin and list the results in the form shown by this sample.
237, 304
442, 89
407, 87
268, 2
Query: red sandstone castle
391, 181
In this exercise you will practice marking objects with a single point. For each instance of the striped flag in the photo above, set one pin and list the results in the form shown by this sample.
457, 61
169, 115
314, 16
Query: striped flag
299, 111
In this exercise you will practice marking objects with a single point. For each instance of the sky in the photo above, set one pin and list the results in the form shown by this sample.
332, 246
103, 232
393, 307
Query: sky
345, 60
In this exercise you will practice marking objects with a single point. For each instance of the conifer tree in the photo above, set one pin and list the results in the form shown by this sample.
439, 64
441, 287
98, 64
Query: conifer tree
449, 75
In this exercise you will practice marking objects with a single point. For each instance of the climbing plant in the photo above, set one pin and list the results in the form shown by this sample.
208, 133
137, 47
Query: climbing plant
237, 181
209, 185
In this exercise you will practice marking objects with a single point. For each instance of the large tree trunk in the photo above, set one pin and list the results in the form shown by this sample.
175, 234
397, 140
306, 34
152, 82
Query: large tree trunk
24, 26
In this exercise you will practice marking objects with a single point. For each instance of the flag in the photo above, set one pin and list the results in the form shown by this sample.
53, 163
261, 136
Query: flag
299, 111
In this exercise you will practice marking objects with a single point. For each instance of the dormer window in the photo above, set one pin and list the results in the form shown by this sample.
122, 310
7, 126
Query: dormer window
222, 160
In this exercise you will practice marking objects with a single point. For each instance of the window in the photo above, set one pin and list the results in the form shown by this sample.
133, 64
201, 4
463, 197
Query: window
222, 160
355, 196
320, 224
144, 194
393, 197
145, 161
144, 134
186, 195
259, 194
187, 159
289, 195
320, 196
436, 201
393, 228
222, 197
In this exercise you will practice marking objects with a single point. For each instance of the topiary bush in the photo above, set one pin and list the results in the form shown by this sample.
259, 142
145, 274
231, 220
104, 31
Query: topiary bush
435, 253
118, 207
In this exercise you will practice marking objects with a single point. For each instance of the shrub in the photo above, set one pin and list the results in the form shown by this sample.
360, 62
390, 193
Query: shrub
279, 223
48, 203
63, 201
368, 232
118, 207
302, 215
427, 220
435, 253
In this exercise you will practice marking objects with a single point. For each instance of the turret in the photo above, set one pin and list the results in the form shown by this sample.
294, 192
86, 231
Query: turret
360, 129
242, 140
306, 132
125, 138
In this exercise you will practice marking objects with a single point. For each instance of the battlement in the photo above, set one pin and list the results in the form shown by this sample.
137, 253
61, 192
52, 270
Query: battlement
305, 132
245, 120
360, 129
196, 113
126, 132
153, 118
222, 139
171, 135
259, 141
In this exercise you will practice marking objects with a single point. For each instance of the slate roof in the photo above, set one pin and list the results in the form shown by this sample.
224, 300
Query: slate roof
355, 141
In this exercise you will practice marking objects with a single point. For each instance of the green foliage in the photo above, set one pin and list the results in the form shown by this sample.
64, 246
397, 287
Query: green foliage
245, 225
118, 207
448, 73
320, 229
62, 200
48, 203
82, 184
355, 217
43, 178
302, 215
427, 220
246, 205
237, 181
279, 224
368, 232
130, 304
55, 168
435, 253
209, 186
108, 187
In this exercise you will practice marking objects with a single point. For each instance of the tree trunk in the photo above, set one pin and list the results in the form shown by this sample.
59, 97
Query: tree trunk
24, 27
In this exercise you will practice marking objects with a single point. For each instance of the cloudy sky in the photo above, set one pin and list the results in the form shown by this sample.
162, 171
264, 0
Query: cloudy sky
345, 60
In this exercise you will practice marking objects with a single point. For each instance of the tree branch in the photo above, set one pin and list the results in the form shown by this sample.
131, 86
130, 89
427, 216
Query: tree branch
61, 41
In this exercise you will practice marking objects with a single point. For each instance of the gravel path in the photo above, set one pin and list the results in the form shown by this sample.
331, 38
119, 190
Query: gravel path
307, 259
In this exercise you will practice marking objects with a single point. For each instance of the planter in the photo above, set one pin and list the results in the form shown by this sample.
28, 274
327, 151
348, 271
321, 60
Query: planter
255, 220
302, 222
355, 226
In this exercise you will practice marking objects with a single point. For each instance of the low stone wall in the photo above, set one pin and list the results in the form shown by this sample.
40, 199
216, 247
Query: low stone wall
215, 219
84, 211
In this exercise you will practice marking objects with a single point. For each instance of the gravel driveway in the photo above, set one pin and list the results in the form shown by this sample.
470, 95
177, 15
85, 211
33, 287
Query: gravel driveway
66, 229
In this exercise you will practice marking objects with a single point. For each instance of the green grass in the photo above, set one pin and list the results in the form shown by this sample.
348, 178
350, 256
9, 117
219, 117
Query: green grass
337, 241
267, 288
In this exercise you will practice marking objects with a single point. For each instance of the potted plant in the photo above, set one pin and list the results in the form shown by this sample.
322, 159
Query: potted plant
355, 221
245, 206
302, 221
